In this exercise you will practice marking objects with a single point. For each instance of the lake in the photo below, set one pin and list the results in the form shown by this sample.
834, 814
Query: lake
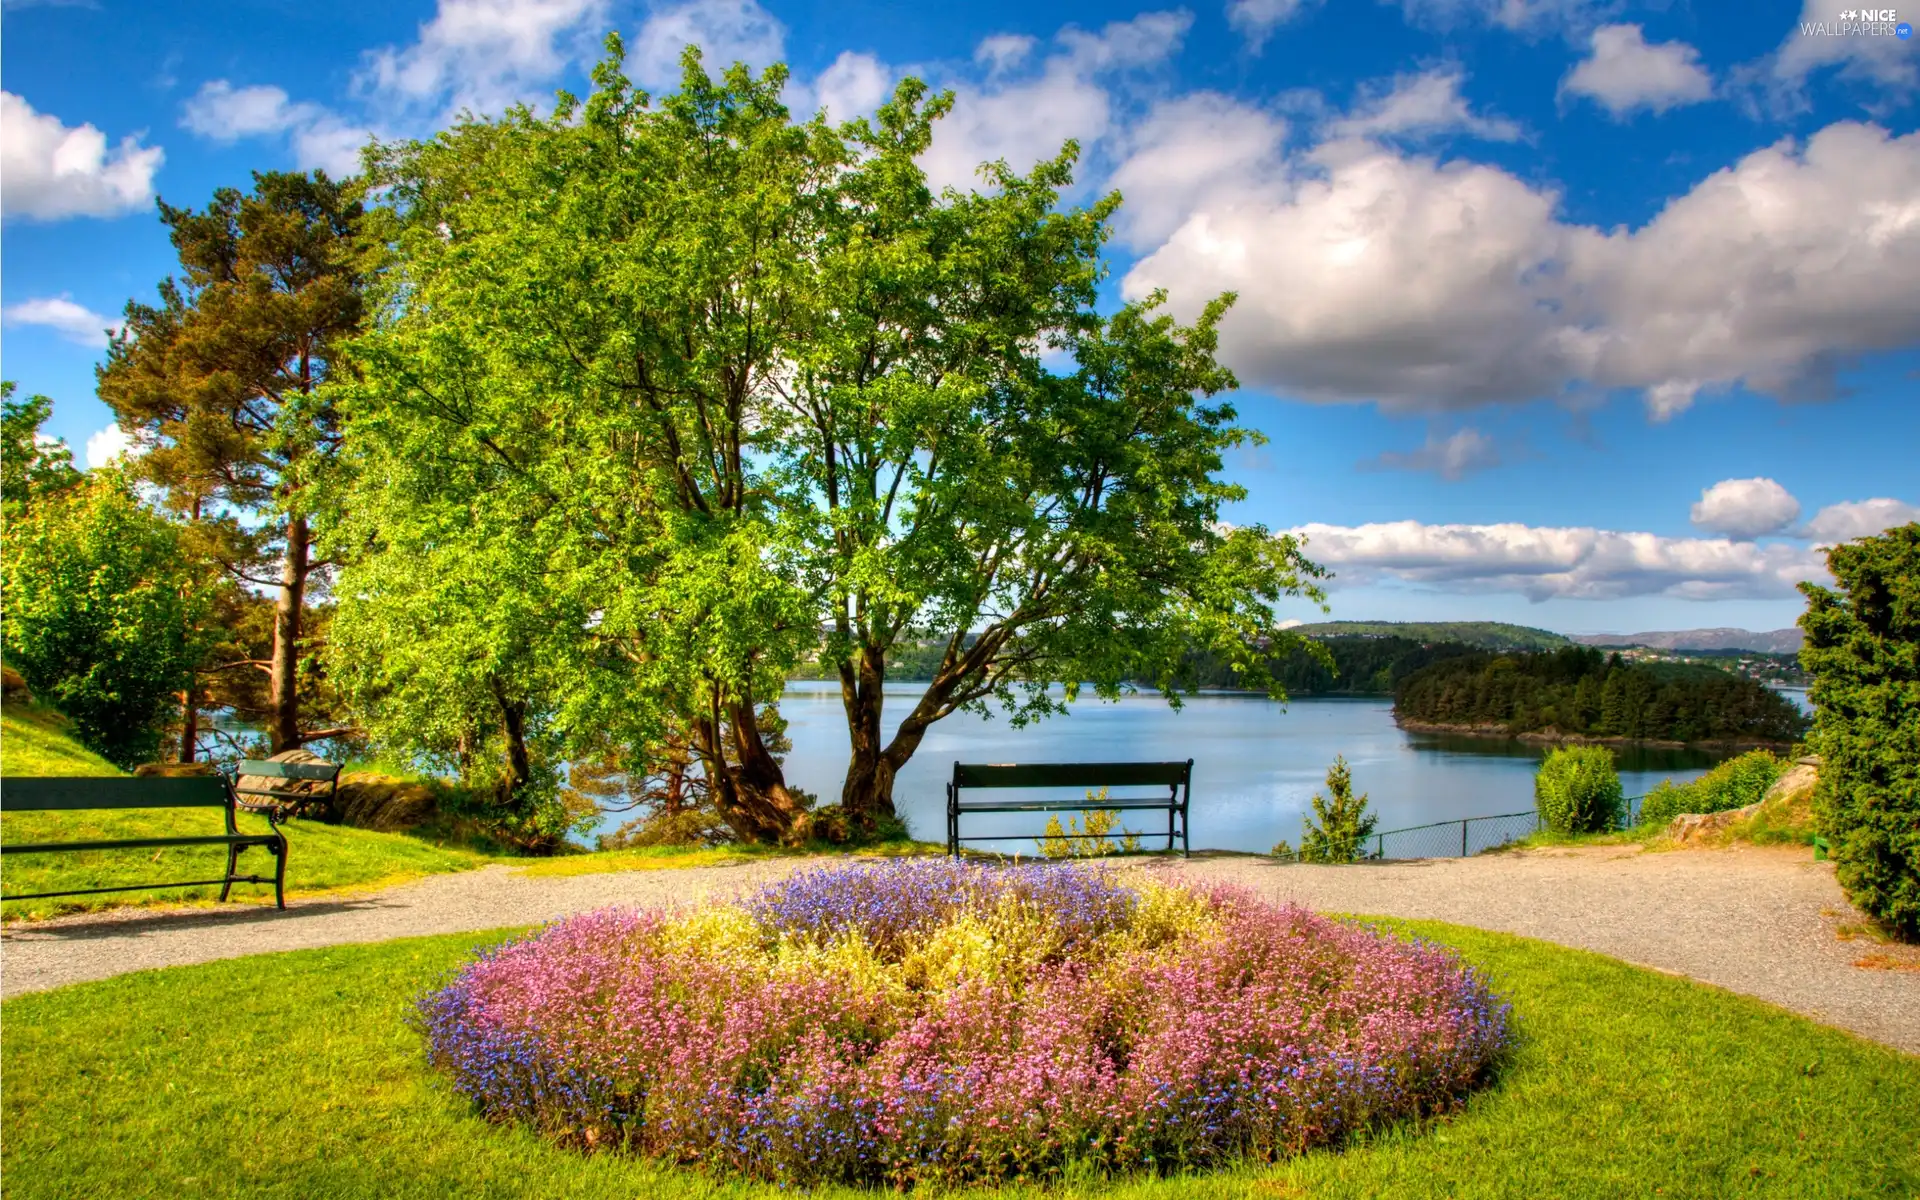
1256, 763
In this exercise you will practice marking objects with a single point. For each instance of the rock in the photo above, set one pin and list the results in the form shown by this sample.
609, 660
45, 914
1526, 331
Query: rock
12, 686
1700, 827
384, 803
1796, 784
172, 770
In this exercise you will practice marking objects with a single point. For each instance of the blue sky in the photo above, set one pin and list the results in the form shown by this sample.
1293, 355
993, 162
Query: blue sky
1590, 315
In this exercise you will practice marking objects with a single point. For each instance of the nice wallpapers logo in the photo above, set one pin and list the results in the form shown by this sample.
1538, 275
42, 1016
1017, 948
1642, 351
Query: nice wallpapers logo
1860, 22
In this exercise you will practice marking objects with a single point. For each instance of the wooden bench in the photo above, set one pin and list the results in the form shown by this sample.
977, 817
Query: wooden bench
84, 793
1175, 777
277, 800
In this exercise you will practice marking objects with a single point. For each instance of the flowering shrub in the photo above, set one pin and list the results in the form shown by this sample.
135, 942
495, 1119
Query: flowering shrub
936, 1021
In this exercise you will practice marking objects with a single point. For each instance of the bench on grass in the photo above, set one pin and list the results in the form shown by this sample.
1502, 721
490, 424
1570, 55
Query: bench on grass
84, 794
254, 789
1175, 777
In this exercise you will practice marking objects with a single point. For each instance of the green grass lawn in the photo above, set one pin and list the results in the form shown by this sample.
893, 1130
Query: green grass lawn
295, 1075
37, 741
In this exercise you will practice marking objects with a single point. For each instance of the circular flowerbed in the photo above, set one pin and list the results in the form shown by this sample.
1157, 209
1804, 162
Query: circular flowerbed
931, 1020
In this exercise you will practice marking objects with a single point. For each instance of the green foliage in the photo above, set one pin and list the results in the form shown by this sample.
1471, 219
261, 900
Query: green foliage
101, 614
1863, 650
31, 466
1735, 783
99, 1079
1577, 790
1488, 635
661, 391
36, 740
1340, 826
1086, 833
1577, 690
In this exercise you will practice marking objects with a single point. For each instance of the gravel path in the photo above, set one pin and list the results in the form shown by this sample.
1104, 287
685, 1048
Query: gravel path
1758, 921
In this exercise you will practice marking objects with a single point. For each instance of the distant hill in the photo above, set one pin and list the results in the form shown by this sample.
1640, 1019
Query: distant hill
1489, 635
1778, 641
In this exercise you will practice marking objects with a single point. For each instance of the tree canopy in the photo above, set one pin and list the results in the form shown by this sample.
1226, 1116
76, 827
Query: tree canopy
659, 396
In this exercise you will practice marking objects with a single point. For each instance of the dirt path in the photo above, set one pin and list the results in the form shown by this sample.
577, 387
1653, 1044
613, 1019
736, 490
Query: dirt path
1758, 921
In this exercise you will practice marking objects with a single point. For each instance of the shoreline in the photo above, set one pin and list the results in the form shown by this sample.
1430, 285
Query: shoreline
1494, 732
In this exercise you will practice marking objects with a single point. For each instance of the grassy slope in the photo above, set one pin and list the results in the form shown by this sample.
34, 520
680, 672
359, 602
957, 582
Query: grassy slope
35, 741
295, 1075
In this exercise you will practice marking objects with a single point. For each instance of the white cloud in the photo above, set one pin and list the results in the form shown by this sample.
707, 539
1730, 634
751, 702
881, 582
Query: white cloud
1421, 105
1745, 508
1624, 72
1453, 457
1859, 518
319, 138
483, 55
1025, 120
1543, 562
853, 85
1185, 152
1004, 51
727, 31
50, 171
107, 446
1881, 62
1255, 20
1520, 16
72, 321
1368, 274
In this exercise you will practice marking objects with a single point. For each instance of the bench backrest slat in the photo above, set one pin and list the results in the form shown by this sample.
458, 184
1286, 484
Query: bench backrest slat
287, 770
1035, 775
79, 793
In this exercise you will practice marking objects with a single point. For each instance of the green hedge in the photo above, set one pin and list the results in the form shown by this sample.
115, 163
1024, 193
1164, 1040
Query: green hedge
1735, 783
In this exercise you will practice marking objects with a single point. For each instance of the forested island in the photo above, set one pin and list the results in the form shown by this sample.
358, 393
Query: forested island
1578, 692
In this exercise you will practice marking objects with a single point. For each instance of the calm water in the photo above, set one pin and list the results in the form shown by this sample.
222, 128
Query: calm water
1256, 763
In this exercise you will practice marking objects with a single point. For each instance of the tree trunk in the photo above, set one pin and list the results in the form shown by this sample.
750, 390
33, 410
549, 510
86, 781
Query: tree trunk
189, 720
867, 793
513, 725
748, 788
283, 687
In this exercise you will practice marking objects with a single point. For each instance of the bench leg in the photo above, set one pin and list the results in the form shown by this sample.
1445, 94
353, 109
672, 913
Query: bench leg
233, 863
280, 873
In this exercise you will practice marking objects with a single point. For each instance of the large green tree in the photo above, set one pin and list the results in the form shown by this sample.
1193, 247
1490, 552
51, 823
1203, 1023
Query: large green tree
706, 387
1863, 651
33, 466
221, 385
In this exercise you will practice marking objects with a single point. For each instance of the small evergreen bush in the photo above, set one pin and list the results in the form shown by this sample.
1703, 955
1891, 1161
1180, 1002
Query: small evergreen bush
1340, 826
1735, 783
1086, 834
1578, 791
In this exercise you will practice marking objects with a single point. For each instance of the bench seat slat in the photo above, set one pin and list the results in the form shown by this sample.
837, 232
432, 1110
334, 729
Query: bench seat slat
1120, 774
212, 839
67, 794
1067, 806
266, 769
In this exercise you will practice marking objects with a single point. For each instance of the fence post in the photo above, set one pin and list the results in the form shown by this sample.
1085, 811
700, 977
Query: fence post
1463, 839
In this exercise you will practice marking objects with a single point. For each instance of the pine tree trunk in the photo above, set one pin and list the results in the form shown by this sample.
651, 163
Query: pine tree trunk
283, 687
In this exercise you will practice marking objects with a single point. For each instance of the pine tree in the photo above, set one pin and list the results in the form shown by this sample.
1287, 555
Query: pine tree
222, 384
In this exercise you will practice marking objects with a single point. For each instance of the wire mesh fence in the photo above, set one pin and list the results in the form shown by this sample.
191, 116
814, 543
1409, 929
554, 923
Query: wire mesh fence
1465, 837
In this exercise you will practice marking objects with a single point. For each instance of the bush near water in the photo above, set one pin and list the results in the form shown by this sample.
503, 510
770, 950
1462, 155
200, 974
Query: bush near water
1735, 783
1578, 790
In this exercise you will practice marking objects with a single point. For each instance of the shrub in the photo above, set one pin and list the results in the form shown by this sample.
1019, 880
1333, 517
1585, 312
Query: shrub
1863, 651
101, 614
1085, 835
1340, 826
938, 1023
1735, 783
1578, 791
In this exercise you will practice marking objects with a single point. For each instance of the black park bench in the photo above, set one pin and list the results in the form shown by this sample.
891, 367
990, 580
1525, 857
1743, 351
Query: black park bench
277, 799
85, 793
1175, 777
